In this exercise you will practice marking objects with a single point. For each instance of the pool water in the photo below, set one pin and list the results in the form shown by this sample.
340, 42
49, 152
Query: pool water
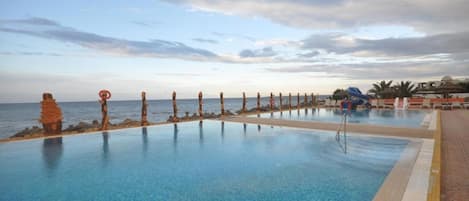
192, 161
396, 118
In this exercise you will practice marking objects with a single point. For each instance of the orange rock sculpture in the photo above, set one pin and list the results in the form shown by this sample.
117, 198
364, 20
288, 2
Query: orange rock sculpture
51, 115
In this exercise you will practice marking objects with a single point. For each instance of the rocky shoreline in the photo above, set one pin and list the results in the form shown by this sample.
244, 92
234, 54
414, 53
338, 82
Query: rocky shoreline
93, 126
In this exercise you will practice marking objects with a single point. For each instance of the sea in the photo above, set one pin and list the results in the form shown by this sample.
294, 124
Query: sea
15, 117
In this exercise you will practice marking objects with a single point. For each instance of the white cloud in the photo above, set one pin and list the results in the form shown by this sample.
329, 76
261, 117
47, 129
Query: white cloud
430, 16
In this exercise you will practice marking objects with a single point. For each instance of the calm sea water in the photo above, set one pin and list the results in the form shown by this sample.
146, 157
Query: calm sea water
17, 116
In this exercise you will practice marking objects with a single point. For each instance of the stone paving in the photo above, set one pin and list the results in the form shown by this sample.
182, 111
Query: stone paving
455, 155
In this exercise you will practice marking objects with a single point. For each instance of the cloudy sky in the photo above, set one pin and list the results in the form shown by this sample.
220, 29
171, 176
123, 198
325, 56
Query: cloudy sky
75, 48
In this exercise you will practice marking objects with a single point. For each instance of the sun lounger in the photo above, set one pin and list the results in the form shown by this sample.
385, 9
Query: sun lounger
426, 103
456, 104
327, 103
437, 105
374, 103
465, 105
381, 103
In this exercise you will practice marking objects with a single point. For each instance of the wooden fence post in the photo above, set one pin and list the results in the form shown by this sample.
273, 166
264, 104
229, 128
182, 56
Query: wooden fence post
306, 99
144, 120
175, 108
244, 103
289, 101
298, 101
201, 112
271, 101
258, 102
222, 104
280, 101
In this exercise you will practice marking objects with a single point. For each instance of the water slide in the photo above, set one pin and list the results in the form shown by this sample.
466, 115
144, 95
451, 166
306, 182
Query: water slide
357, 97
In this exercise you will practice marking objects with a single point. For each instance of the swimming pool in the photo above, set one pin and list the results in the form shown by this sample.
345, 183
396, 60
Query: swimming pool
397, 118
188, 161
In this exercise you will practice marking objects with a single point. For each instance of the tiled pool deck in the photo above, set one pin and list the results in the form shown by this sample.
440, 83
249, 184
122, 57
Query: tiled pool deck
455, 155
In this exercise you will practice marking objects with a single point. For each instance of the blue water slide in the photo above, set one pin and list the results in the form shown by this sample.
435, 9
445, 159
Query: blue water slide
357, 97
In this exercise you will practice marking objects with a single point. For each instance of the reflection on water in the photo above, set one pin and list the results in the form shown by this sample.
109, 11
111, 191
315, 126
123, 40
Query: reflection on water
145, 141
244, 129
222, 131
201, 133
258, 128
106, 154
51, 154
306, 111
175, 136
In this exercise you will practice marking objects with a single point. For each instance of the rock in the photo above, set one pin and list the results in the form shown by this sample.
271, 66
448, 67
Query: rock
27, 131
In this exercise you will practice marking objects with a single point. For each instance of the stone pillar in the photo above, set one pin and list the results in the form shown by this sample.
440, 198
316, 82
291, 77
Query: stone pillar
258, 101
222, 104
289, 101
244, 103
51, 115
104, 95
144, 121
298, 101
201, 112
280, 101
175, 108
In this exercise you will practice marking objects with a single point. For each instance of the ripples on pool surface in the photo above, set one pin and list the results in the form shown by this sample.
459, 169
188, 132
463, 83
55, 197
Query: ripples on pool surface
217, 161
397, 118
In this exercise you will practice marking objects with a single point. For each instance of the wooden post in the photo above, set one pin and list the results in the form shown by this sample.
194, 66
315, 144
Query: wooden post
306, 99
258, 102
144, 121
280, 101
51, 115
289, 101
175, 108
104, 95
298, 101
244, 103
201, 112
222, 104
271, 101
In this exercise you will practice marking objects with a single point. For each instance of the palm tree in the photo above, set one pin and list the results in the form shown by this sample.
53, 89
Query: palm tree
339, 94
405, 89
382, 89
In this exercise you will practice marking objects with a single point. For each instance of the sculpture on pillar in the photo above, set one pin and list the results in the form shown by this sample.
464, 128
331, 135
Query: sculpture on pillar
51, 115
175, 108
104, 95
201, 114
222, 104
144, 110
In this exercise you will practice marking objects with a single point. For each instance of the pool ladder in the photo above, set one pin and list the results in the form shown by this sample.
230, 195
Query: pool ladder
343, 127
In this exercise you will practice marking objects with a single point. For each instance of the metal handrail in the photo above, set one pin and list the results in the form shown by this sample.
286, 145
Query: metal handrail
343, 124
